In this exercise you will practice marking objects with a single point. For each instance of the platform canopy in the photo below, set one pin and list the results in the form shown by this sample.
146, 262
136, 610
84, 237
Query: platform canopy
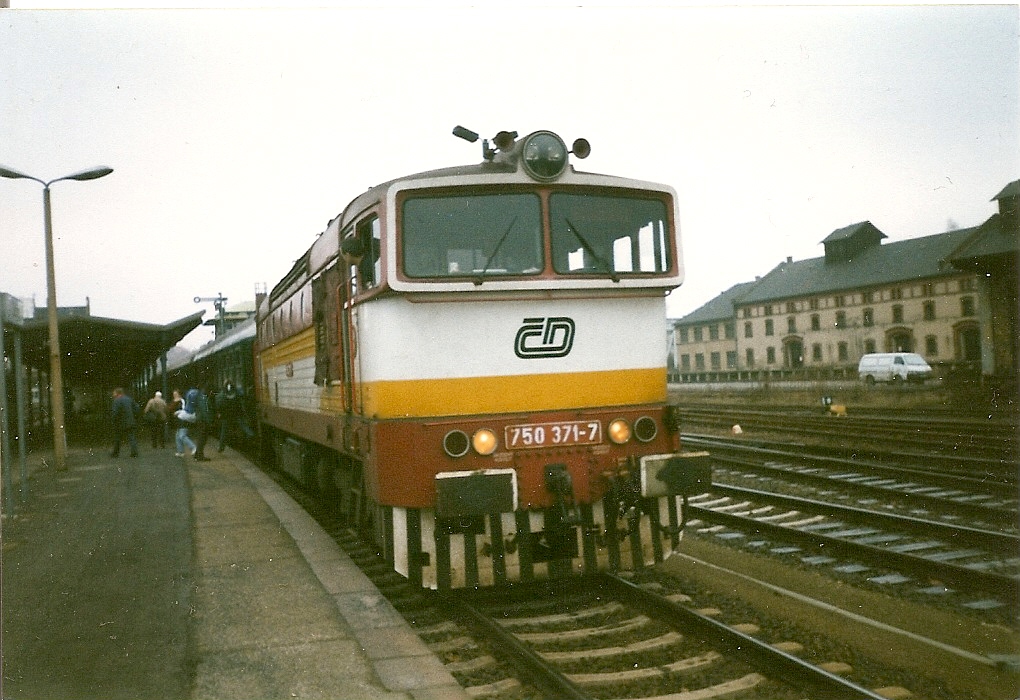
103, 351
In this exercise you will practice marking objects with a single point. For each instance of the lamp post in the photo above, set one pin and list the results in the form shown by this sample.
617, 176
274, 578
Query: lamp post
56, 379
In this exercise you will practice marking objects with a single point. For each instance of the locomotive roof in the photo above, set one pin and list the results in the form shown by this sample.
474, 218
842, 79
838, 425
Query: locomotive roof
497, 167
374, 193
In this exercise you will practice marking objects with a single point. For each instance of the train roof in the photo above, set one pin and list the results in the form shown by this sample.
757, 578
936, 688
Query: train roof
238, 334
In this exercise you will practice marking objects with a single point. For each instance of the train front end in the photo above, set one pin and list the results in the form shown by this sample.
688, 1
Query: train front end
515, 377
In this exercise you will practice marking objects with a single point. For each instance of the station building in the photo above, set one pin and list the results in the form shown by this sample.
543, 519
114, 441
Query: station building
950, 297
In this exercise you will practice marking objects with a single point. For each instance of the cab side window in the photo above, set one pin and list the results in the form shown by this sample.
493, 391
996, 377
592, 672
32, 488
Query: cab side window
362, 251
369, 234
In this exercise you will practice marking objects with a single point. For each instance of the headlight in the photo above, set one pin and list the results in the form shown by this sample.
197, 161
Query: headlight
645, 429
544, 156
619, 431
456, 443
484, 441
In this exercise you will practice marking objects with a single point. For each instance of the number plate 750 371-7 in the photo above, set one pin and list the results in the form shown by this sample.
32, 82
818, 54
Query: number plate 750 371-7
529, 435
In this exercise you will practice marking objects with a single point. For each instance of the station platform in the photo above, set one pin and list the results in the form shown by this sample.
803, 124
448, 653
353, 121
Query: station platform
165, 577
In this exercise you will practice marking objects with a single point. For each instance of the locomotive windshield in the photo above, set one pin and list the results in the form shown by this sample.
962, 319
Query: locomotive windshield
482, 235
618, 234
472, 235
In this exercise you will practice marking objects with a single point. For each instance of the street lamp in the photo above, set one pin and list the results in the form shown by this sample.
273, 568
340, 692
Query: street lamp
56, 379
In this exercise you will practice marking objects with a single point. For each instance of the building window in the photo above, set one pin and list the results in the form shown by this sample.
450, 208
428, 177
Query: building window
699, 361
768, 309
791, 307
813, 304
929, 310
897, 313
931, 346
868, 317
768, 327
716, 360
928, 289
869, 346
840, 319
842, 350
683, 335
685, 362
748, 330
895, 293
966, 306
770, 356
816, 352
816, 322
967, 285
731, 359
713, 332
868, 297
791, 325
730, 330
747, 312
839, 300
698, 334
749, 355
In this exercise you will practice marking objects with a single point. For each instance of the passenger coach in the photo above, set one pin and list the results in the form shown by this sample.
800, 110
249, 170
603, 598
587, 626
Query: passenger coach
471, 362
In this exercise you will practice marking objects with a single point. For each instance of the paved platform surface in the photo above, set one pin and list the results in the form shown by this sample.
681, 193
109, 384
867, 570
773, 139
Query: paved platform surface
162, 577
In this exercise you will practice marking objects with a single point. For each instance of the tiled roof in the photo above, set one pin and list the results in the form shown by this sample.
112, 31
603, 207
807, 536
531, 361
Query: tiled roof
852, 231
879, 265
1010, 190
718, 309
990, 239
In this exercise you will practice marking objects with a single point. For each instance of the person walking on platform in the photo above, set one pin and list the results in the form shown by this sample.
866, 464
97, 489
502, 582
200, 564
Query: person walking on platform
181, 438
228, 408
154, 416
197, 402
124, 416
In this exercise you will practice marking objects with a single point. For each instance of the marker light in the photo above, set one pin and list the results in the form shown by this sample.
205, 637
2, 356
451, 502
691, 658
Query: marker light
619, 431
484, 441
645, 429
544, 156
456, 443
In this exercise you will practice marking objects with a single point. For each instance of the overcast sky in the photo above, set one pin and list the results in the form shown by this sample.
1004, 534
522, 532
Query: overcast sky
236, 134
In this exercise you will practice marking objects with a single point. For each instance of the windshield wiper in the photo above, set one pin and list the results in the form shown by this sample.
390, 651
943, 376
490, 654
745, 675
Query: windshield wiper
591, 251
499, 244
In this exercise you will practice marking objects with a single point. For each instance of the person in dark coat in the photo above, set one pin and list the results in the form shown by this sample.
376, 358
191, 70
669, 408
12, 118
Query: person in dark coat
196, 401
228, 408
124, 417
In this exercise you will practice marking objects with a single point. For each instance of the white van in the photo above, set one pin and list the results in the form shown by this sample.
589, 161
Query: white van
893, 367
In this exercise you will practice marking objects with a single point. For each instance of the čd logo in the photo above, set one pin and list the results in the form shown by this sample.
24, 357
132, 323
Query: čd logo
544, 337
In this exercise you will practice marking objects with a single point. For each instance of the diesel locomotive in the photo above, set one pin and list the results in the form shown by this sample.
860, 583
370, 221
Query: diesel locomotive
469, 363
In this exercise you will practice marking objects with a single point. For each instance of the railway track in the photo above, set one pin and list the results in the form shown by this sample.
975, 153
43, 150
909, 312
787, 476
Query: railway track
967, 493
854, 540
887, 524
993, 439
610, 637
